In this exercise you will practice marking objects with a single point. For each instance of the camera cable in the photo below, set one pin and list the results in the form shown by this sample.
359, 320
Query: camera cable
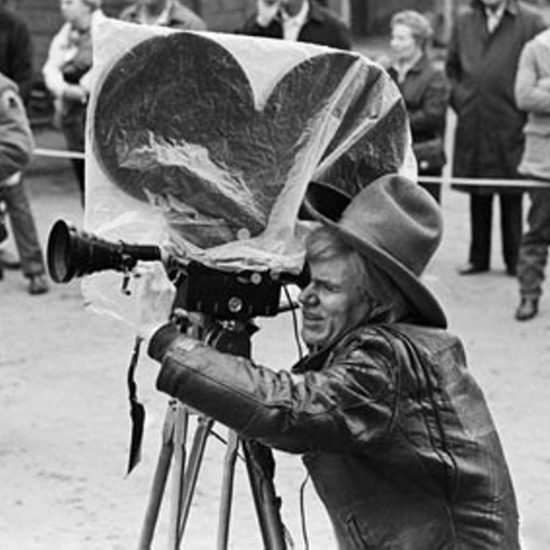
137, 410
294, 323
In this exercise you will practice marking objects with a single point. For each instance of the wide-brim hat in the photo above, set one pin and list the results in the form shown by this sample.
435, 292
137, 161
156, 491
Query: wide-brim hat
394, 223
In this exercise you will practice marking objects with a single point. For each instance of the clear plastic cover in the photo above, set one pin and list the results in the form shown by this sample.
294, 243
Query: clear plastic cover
205, 143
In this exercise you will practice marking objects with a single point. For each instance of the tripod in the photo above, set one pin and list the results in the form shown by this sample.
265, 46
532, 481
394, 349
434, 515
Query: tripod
230, 337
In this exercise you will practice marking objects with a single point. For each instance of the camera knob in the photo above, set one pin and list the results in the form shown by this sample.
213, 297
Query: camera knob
235, 304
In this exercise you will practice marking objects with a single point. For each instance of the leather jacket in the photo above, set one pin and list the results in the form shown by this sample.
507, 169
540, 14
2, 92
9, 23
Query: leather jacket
394, 431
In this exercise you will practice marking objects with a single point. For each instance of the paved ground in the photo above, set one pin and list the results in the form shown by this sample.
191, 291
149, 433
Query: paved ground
65, 429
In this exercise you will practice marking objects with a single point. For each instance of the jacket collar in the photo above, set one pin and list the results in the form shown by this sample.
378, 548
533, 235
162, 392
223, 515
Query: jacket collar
420, 65
312, 361
511, 6
316, 12
317, 360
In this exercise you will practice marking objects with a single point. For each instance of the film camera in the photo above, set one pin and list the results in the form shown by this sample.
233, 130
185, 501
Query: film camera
222, 294
225, 295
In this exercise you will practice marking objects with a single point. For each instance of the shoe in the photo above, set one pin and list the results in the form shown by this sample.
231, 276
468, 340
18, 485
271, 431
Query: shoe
8, 260
472, 269
38, 284
527, 309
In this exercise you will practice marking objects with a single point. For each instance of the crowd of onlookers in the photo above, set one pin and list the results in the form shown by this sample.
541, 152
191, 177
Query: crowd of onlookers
495, 77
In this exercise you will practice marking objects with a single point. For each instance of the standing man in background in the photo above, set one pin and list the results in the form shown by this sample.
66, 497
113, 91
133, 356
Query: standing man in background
483, 54
301, 20
16, 51
168, 13
533, 96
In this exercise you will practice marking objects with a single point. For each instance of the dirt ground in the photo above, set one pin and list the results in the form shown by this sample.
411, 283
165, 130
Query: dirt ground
64, 432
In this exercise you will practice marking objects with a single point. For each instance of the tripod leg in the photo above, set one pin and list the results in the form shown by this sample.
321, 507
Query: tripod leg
178, 469
259, 463
227, 490
159, 480
192, 472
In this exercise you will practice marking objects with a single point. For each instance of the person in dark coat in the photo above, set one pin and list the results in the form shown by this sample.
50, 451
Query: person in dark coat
425, 90
16, 51
301, 20
483, 54
393, 429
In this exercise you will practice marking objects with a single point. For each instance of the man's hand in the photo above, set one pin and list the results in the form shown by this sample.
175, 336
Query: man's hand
154, 299
266, 10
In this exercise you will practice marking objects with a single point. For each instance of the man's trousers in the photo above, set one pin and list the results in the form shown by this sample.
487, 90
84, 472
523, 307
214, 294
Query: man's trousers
481, 215
24, 228
533, 253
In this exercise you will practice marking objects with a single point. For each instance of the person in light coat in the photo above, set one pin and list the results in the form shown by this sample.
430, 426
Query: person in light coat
67, 74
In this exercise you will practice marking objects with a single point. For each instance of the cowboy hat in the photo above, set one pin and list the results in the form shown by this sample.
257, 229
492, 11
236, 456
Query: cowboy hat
397, 225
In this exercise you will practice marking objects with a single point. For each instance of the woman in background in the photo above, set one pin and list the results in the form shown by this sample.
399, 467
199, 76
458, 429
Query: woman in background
425, 90
67, 73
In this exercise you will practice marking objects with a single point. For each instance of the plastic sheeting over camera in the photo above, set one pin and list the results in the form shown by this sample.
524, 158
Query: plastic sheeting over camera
205, 142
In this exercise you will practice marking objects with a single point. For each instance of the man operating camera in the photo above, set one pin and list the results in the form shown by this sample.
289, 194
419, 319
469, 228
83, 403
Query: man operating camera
393, 429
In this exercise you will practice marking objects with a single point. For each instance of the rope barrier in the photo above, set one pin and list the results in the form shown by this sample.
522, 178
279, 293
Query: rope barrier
441, 180
486, 182
56, 153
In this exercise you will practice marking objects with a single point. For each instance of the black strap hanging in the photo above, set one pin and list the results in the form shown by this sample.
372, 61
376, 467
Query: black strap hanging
137, 410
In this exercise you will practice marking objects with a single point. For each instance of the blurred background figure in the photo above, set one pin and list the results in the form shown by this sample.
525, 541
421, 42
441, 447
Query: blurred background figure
67, 74
533, 95
15, 63
169, 13
299, 20
16, 146
482, 57
425, 90
16, 51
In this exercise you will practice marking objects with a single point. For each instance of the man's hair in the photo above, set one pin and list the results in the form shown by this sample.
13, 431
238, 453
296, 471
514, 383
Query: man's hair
387, 303
420, 26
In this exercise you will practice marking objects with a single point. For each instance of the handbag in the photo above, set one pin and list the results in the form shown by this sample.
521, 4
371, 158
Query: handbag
430, 154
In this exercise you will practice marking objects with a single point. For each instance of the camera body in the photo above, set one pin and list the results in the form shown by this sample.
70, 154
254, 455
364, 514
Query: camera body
227, 295
221, 294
